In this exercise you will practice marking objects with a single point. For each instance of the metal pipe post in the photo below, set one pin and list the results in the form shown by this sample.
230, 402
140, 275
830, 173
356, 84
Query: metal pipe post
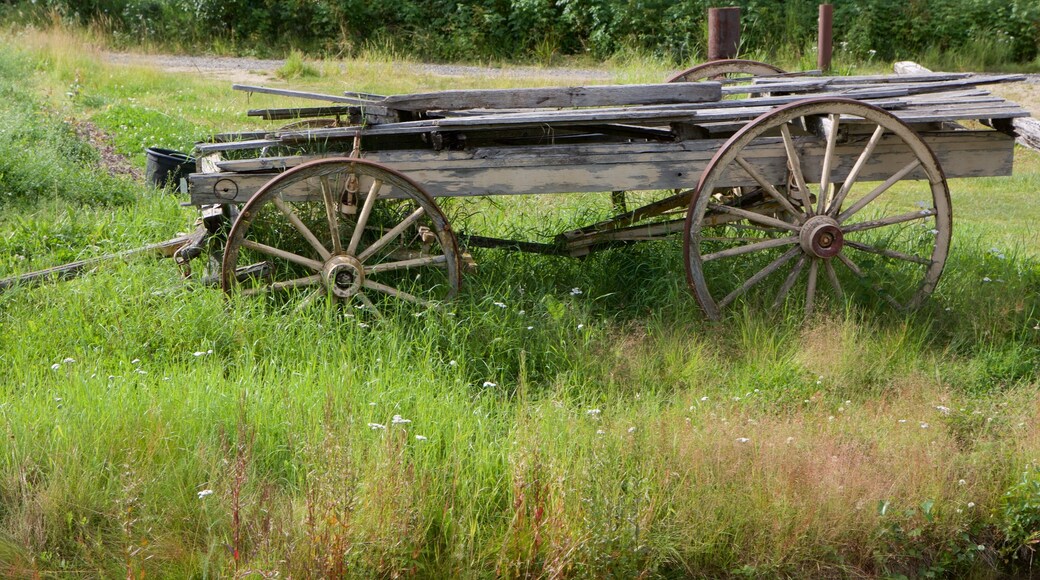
723, 32
825, 44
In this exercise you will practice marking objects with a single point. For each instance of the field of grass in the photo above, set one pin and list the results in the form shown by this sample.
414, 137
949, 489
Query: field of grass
152, 428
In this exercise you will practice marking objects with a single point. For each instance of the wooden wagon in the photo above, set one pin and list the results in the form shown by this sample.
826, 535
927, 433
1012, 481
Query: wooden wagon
778, 183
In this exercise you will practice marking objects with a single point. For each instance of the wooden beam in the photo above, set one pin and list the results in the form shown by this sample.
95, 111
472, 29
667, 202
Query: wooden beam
590, 96
634, 166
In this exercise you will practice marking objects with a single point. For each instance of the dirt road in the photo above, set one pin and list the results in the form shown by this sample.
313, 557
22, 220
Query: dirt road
249, 70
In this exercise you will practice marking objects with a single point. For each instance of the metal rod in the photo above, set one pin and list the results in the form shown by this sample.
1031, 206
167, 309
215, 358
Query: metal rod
723, 32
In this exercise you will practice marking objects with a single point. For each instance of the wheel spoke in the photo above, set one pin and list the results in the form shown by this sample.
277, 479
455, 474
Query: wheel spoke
758, 246
886, 252
810, 289
752, 216
828, 267
889, 221
278, 253
862, 202
768, 187
309, 299
362, 220
861, 162
331, 209
794, 162
300, 227
285, 285
759, 276
373, 285
828, 162
369, 305
792, 277
875, 287
391, 235
404, 264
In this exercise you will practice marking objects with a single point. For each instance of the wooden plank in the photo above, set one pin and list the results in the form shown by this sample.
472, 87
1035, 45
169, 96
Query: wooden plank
1027, 131
206, 148
369, 105
1025, 128
588, 96
576, 168
303, 112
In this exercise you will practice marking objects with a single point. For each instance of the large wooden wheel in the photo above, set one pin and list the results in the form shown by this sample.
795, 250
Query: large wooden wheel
861, 199
347, 229
724, 69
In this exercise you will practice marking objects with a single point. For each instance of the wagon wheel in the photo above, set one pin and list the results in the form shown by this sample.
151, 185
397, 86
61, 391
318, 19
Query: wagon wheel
349, 229
725, 69
887, 239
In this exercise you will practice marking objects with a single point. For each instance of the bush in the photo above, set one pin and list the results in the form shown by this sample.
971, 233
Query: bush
482, 29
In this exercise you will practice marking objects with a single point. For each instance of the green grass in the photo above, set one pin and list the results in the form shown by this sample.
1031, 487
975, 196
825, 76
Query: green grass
753, 446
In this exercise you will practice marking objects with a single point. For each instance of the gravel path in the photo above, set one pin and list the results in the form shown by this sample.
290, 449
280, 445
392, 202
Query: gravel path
254, 69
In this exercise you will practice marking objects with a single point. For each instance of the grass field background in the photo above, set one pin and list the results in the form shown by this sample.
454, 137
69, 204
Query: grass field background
153, 428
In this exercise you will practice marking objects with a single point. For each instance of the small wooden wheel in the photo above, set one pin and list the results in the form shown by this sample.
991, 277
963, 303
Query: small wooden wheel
348, 229
878, 205
724, 69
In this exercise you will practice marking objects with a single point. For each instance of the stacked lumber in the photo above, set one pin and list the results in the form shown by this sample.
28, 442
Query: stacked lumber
657, 112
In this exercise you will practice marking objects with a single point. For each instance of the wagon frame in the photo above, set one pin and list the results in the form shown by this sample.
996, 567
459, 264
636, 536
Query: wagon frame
780, 173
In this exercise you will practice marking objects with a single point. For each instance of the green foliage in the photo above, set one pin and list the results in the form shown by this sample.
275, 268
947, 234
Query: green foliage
295, 67
477, 29
1021, 517
40, 155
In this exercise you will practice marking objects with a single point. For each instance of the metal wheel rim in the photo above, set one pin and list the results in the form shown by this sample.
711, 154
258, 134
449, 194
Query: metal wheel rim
717, 68
726, 157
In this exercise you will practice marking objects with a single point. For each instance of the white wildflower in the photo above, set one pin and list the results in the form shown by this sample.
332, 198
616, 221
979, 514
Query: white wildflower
962, 482
55, 366
581, 326
575, 291
205, 492
593, 412
600, 432
933, 231
530, 328
68, 360
135, 361
453, 363
971, 504
942, 410
489, 384
376, 426
631, 429
500, 304
399, 420
902, 420
703, 399
986, 279
522, 312
362, 325
420, 437
742, 440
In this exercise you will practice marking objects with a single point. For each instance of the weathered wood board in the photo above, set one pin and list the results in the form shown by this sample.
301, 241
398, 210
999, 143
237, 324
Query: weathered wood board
634, 166
547, 97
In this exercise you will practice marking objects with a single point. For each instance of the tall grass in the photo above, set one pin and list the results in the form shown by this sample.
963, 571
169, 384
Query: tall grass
153, 427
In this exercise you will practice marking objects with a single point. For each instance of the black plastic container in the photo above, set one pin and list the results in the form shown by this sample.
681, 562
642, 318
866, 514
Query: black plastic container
164, 166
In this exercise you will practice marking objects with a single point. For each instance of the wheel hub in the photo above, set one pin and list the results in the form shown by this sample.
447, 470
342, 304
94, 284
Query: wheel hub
343, 275
821, 237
